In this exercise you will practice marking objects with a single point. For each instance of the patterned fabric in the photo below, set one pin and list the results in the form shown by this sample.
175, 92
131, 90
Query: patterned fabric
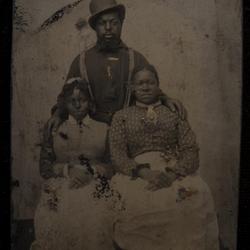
132, 134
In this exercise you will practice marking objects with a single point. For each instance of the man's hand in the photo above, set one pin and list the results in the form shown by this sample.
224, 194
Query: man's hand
79, 177
156, 179
52, 125
175, 106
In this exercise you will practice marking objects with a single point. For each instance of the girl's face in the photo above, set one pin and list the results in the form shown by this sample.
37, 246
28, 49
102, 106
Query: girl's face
146, 87
77, 105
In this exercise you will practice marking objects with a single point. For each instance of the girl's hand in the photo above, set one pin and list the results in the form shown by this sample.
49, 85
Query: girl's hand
105, 170
79, 177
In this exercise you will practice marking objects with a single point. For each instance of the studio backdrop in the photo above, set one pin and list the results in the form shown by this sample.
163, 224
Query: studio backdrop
196, 47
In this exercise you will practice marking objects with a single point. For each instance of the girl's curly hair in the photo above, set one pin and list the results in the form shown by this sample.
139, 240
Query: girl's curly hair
68, 89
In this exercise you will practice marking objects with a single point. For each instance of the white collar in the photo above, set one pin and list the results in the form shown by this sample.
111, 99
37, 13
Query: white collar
85, 121
143, 105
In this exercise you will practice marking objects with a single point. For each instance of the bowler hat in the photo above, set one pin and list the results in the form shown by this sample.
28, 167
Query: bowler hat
98, 7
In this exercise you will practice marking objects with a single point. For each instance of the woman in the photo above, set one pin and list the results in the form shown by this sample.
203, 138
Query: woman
166, 204
74, 210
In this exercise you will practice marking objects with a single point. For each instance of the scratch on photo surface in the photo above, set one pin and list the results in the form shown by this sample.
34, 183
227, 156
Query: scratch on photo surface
59, 14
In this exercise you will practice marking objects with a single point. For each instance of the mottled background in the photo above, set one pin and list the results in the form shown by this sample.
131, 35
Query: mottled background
194, 44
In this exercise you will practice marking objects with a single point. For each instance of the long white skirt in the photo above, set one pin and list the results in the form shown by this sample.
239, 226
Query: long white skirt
80, 220
180, 217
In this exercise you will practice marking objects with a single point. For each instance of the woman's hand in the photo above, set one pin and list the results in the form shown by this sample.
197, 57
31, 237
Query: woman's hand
78, 176
156, 179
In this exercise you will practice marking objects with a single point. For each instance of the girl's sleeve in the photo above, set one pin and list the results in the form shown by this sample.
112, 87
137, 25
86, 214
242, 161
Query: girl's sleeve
118, 147
47, 164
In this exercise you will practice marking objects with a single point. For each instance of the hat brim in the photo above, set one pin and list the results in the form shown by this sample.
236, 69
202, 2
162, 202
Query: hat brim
120, 8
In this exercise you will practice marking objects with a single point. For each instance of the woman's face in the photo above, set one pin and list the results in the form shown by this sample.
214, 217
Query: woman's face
77, 105
146, 87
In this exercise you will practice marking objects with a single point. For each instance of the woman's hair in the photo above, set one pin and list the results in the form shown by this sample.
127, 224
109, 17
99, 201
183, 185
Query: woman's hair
68, 90
147, 67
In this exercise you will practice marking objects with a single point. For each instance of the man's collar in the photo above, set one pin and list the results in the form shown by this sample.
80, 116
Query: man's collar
85, 121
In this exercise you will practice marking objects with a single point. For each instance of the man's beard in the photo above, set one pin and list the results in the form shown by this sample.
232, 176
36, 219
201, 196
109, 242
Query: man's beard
109, 44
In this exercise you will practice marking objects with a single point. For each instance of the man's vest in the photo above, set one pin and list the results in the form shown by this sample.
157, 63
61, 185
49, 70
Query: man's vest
131, 63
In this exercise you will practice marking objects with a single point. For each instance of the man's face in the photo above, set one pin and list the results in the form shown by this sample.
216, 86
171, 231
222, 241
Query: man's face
146, 87
108, 29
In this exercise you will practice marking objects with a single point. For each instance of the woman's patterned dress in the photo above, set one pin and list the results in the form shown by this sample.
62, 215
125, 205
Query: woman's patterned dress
180, 217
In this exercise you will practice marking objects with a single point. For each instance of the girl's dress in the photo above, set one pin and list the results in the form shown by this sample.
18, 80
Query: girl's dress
180, 217
80, 218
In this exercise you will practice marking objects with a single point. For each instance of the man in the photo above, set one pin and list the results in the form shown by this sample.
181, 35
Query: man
106, 67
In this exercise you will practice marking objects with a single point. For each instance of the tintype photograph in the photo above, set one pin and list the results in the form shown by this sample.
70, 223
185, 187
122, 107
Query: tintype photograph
125, 124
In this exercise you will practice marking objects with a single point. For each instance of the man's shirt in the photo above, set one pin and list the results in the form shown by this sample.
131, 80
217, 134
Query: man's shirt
108, 76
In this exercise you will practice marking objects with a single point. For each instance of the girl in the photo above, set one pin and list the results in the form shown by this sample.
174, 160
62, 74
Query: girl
74, 210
